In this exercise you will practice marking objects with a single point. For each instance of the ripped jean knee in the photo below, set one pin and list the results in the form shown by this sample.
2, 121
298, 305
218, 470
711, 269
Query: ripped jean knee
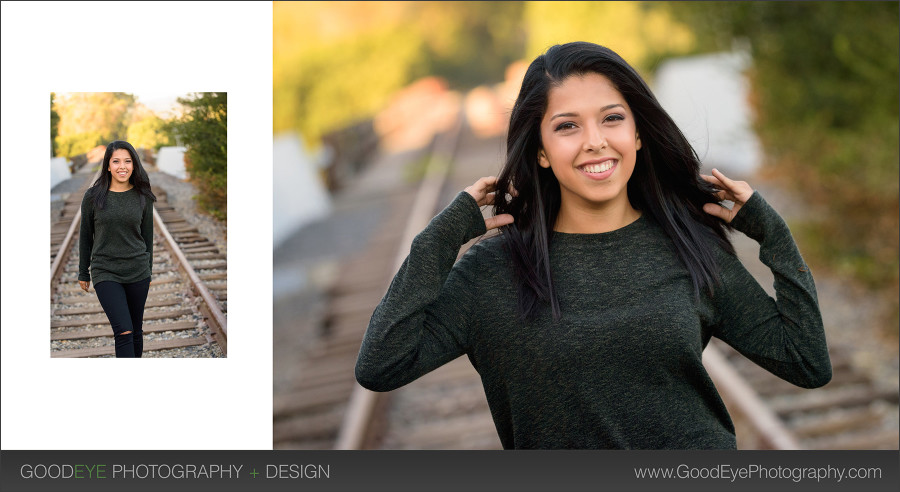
124, 344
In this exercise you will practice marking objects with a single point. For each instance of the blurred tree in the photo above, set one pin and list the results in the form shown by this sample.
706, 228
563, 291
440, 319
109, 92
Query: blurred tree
203, 128
88, 119
149, 131
825, 92
336, 63
54, 126
469, 43
640, 32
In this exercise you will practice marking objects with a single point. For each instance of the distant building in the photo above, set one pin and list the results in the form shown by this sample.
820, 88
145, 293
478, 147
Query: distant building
299, 193
170, 160
707, 95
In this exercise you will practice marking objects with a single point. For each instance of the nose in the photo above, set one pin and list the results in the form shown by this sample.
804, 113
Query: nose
594, 139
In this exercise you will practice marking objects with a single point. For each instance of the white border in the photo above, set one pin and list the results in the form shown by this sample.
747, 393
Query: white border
151, 403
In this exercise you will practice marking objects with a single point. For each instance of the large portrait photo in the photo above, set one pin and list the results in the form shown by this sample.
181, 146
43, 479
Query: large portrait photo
498, 225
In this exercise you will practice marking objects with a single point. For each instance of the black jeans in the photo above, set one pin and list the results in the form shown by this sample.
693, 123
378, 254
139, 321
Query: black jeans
124, 307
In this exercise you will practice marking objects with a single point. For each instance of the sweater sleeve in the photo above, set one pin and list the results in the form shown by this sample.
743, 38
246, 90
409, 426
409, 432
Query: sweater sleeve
422, 321
784, 335
85, 239
147, 229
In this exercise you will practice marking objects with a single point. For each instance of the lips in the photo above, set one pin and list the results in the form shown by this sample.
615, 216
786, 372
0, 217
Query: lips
599, 169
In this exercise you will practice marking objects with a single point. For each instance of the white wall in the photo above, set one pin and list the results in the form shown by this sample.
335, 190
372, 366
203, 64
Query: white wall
170, 160
59, 170
299, 195
707, 97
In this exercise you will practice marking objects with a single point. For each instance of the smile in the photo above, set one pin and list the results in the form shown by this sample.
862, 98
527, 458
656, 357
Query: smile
598, 170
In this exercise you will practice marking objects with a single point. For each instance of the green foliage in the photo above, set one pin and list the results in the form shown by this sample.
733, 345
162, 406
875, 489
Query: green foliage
150, 132
203, 129
54, 126
80, 143
825, 92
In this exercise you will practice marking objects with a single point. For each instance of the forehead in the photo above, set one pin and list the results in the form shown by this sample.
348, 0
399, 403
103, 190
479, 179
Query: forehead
121, 154
583, 90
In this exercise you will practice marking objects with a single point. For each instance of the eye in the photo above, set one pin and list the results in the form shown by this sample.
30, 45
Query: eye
568, 125
614, 117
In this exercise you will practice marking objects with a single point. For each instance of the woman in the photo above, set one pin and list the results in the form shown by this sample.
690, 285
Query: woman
588, 315
116, 244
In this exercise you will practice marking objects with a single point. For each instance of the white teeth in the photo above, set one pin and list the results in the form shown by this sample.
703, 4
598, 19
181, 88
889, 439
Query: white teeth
599, 168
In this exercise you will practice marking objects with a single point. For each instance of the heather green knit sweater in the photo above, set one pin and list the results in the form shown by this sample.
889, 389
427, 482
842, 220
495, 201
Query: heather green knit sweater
116, 242
622, 367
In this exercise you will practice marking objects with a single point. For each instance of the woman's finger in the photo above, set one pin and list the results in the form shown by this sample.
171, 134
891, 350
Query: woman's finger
480, 188
718, 211
714, 181
723, 195
722, 178
740, 190
498, 221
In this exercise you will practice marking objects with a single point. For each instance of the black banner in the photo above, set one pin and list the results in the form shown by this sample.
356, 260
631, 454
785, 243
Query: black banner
398, 471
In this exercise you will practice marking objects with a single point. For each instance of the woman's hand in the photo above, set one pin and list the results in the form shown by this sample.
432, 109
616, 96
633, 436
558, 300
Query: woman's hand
484, 191
84, 285
736, 191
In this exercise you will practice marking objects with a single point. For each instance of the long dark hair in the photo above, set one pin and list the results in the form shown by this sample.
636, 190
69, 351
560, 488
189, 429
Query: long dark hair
665, 184
138, 179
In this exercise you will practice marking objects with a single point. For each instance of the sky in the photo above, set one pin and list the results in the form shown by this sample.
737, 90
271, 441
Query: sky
160, 102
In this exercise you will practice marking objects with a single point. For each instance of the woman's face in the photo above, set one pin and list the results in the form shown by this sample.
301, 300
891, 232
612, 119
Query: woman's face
121, 166
590, 141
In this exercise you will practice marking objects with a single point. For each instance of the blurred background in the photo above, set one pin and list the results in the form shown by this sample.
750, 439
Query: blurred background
384, 108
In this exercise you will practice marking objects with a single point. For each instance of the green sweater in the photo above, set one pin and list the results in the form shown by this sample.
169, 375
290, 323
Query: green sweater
116, 243
622, 367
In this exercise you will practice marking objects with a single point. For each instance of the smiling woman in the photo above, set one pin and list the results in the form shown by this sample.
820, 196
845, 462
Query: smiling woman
587, 316
116, 244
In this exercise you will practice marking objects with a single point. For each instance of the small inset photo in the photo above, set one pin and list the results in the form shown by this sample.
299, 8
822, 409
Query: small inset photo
138, 237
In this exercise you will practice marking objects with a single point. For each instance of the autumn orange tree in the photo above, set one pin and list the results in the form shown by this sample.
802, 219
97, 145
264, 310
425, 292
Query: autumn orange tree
88, 119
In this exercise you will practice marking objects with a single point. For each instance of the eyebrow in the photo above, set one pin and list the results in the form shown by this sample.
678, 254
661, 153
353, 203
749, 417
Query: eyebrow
568, 115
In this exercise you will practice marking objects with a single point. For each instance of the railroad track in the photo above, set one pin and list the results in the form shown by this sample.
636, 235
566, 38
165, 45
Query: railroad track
850, 412
186, 304
447, 409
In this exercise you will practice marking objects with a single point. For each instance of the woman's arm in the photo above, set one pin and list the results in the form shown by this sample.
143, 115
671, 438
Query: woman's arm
422, 322
784, 335
147, 229
85, 241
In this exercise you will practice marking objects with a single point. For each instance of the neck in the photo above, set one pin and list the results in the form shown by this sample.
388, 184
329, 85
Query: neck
594, 220
116, 186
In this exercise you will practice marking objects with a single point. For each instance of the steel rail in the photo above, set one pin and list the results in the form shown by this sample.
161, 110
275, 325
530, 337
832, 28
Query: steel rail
734, 389
355, 428
209, 307
62, 255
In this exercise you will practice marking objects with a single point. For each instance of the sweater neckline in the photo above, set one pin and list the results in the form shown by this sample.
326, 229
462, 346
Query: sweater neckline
620, 233
126, 191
